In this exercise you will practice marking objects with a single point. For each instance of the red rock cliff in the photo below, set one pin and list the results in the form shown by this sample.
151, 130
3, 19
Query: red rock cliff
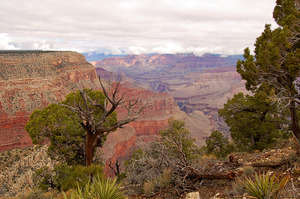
31, 80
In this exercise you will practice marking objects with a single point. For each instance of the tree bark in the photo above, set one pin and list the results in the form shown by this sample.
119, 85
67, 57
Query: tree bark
91, 142
295, 124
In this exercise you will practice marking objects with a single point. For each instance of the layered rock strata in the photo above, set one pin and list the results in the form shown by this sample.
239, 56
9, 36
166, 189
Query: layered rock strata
34, 79
199, 85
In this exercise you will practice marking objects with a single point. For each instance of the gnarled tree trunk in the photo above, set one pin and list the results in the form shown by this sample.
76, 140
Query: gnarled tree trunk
90, 144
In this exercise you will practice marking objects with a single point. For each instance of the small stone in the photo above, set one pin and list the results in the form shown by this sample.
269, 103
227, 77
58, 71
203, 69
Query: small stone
217, 195
193, 195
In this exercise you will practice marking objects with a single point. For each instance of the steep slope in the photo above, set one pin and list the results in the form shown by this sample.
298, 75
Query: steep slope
16, 178
33, 79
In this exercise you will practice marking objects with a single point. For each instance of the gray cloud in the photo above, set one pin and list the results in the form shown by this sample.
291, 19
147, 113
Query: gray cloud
134, 26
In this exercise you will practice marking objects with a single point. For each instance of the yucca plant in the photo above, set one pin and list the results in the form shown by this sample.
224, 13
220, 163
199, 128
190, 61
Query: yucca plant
108, 189
265, 185
100, 188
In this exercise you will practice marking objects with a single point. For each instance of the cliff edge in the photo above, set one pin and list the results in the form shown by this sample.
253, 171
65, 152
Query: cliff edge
34, 79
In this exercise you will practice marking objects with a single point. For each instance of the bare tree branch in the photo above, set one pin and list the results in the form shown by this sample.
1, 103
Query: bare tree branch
117, 165
96, 125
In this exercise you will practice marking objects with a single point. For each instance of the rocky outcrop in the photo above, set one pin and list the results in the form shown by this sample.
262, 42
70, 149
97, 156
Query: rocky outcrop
31, 80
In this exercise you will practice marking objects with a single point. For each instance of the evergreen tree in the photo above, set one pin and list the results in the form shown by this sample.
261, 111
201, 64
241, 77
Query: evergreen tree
277, 60
63, 128
254, 121
218, 145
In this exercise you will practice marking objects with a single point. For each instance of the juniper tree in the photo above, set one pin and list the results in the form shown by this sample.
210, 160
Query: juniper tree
276, 61
87, 114
254, 121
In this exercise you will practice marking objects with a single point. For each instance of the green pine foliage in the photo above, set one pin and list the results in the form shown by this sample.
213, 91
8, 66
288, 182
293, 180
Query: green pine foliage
64, 177
218, 145
276, 63
62, 128
75, 99
255, 121
69, 177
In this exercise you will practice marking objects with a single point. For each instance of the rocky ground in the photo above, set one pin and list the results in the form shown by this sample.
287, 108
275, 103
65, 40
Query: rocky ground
283, 161
17, 167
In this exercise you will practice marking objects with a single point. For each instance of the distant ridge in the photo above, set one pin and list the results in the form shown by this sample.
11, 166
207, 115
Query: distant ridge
95, 56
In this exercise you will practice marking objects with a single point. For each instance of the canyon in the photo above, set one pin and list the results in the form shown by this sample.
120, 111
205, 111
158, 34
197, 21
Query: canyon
34, 79
200, 85
184, 87
180, 86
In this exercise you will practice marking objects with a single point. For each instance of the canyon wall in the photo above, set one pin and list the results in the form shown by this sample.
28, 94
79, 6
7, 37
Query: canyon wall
200, 85
34, 79
120, 144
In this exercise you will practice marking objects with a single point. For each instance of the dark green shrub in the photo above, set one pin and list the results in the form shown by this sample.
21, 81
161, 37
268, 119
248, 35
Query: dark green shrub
65, 177
68, 177
218, 145
43, 178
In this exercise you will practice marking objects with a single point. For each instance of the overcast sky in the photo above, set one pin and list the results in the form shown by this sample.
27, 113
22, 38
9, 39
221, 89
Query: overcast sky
134, 26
